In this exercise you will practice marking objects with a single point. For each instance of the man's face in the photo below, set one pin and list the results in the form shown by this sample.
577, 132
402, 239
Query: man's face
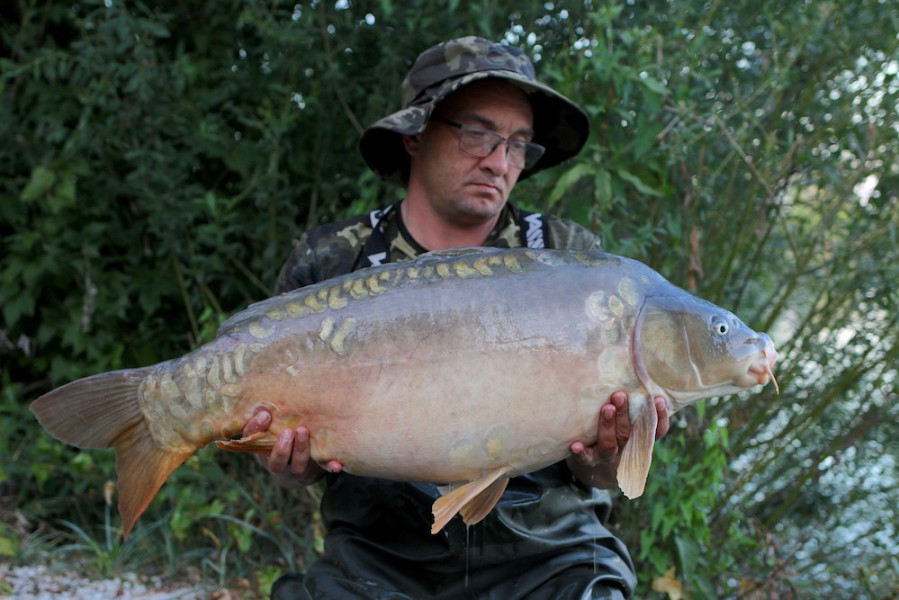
465, 190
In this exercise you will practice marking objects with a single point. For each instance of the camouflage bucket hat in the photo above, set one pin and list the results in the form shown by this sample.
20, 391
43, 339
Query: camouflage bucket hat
560, 125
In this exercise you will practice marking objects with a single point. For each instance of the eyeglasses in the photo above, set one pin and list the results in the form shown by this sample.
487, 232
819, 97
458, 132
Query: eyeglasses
480, 143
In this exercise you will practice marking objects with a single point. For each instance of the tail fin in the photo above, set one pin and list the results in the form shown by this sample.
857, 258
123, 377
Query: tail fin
142, 467
103, 411
636, 458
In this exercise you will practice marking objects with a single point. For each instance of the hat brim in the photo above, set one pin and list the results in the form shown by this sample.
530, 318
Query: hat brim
560, 126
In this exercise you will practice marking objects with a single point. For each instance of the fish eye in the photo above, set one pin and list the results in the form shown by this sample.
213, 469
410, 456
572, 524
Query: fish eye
720, 327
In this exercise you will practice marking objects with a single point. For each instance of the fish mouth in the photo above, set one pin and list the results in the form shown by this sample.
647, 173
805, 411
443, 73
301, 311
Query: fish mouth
763, 369
764, 374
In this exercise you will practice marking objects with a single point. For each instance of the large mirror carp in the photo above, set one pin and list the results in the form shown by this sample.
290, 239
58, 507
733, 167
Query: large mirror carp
463, 368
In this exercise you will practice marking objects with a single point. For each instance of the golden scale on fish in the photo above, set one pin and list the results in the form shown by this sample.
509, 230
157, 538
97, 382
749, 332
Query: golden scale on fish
476, 364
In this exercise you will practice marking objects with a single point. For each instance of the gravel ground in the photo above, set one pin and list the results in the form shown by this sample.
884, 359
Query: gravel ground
43, 583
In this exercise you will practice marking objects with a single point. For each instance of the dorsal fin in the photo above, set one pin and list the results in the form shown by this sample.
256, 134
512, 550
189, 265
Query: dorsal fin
440, 255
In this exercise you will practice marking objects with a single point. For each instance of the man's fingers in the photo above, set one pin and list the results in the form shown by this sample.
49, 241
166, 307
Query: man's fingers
664, 420
622, 418
279, 457
334, 466
259, 422
607, 435
299, 456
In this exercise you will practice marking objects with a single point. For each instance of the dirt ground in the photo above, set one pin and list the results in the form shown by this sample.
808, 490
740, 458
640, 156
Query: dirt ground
47, 583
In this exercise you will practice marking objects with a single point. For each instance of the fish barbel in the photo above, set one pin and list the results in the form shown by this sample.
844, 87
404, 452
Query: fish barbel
464, 368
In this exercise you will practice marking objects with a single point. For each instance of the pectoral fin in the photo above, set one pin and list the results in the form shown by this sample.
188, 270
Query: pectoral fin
474, 500
636, 457
260, 442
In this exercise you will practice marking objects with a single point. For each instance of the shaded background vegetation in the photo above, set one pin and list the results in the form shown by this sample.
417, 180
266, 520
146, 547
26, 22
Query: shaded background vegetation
158, 157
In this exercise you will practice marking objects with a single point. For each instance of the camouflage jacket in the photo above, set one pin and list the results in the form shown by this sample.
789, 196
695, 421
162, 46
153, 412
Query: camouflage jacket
338, 248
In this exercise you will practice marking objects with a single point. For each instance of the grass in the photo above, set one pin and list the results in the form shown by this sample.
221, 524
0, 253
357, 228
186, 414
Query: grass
219, 523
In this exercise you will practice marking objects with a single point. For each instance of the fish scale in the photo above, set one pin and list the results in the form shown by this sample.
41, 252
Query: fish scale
465, 368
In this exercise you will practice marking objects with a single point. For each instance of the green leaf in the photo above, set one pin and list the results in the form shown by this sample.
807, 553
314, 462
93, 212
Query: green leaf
216, 507
64, 194
7, 546
42, 179
654, 85
567, 181
688, 551
638, 183
602, 182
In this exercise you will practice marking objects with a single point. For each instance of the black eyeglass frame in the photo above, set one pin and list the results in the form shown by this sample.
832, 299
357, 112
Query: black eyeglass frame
530, 151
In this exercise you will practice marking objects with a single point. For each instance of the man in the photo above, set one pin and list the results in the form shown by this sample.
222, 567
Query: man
475, 121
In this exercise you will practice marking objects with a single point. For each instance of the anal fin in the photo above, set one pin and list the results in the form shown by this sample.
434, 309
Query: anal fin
636, 457
474, 500
481, 505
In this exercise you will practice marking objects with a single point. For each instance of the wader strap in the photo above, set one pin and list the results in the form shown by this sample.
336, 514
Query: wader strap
376, 252
533, 229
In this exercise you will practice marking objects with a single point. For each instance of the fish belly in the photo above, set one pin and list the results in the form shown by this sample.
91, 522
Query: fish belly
445, 395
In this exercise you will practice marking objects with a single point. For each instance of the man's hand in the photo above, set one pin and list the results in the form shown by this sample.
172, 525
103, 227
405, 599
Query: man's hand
289, 461
597, 465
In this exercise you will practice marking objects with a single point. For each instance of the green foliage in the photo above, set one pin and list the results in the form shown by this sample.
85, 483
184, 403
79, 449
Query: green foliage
8, 541
159, 158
